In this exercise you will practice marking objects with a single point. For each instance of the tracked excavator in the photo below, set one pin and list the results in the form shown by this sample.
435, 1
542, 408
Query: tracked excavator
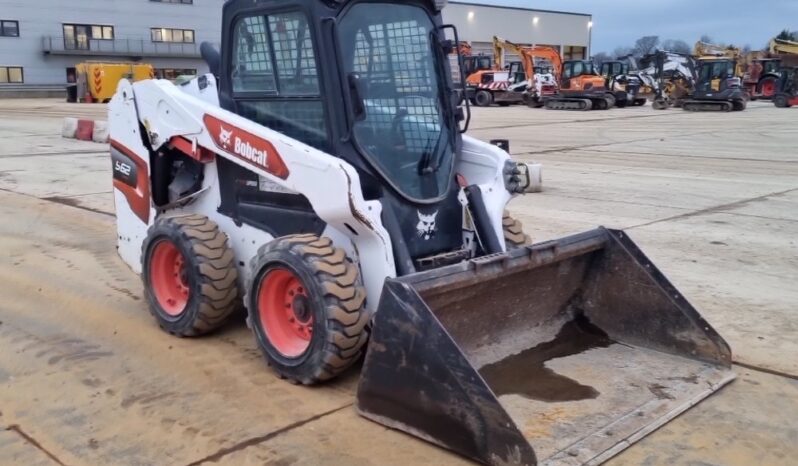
718, 85
580, 85
320, 177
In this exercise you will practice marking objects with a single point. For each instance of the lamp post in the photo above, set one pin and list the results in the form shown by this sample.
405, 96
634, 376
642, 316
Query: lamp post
590, 37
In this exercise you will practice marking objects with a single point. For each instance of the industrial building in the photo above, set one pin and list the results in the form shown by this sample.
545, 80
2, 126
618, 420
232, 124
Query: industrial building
42, 41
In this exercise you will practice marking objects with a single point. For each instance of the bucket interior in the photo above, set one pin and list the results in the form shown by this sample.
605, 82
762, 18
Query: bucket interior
585, 351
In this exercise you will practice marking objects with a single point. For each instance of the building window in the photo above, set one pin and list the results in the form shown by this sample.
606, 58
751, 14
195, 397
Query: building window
184, 2
574, 52
173, 73
185, 36
9, 28
11, 75
79, 36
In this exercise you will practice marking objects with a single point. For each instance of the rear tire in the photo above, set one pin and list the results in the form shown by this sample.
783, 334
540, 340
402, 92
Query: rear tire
781, 101
514, 236
483, 99
311, 326
189, 274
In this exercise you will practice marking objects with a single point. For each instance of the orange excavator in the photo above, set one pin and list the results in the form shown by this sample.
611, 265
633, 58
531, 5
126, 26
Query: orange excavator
580, 87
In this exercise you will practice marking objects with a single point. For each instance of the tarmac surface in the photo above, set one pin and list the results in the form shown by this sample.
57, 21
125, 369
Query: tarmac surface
87, 378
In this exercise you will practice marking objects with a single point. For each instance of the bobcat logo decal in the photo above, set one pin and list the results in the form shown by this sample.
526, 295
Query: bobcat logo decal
224, 136
426, 227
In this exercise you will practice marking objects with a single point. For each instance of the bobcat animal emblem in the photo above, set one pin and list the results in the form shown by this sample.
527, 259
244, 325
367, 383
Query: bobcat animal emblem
224, 136
426, 227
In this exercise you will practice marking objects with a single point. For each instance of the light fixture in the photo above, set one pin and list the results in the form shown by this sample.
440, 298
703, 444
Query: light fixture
535, 20
589, 24
471, 16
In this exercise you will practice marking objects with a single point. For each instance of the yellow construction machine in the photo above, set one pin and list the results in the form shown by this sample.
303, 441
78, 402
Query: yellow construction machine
97, 81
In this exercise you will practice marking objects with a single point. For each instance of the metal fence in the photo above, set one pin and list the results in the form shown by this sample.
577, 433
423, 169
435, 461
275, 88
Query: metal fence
130, 47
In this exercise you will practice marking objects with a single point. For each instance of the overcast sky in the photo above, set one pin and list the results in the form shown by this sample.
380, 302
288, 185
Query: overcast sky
621, 22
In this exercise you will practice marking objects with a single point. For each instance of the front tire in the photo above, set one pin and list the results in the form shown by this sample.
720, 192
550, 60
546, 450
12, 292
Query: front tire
189, 274
306, 308
483, 98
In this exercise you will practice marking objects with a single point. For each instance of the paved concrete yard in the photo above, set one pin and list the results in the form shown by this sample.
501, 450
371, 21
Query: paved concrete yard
86, 377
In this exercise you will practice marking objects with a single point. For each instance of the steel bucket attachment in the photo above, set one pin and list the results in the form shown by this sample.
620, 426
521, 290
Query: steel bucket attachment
565, 352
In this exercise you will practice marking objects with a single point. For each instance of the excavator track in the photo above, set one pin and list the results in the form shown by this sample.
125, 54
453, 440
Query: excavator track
569, 104
707, 106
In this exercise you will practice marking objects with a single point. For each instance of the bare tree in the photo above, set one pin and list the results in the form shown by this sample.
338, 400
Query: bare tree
646, 45
622, 51
600, 58
785, 34
676, 45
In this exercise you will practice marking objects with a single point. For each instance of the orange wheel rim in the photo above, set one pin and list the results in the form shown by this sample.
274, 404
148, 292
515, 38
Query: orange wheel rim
285, 312
168, 277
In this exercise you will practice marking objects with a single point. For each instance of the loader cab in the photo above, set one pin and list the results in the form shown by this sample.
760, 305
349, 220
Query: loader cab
610, 69
473, 64
364, 81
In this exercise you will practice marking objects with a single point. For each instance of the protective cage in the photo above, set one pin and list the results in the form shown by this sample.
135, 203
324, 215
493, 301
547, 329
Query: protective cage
564, 352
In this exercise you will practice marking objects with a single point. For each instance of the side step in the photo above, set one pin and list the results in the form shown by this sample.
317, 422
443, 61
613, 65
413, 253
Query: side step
560, 353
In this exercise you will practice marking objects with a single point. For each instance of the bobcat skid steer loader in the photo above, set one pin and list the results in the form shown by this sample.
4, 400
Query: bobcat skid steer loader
324, 183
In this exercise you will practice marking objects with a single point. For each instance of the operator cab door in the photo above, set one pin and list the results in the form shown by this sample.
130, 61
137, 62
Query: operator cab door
517, 74
271, 76
567, 74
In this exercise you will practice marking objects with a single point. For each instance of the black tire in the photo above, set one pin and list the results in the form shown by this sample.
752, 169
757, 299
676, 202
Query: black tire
503, 104
620, 103
514, 236
210, 274
601, 104
334, 298
738, 105
781, 101
611, 100
483, 98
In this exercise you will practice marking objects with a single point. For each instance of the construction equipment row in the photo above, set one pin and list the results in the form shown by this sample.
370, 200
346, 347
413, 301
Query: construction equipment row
712, 78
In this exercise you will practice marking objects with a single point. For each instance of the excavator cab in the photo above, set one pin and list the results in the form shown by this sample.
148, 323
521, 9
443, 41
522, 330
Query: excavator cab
574, 69
474, 63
